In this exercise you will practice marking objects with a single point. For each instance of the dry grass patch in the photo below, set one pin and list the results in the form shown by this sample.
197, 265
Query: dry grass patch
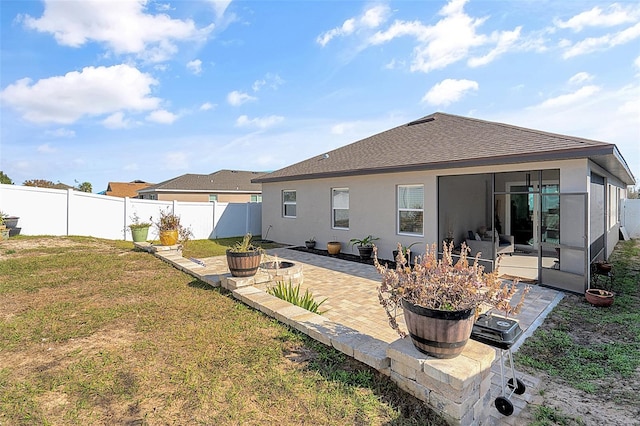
93, 332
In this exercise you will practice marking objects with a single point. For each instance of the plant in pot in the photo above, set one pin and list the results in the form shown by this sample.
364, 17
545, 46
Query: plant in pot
10, 224
365, 245
310, 243
4, 232
244, 258
406, 252
168, 225
441, 298
139, 229
600, 296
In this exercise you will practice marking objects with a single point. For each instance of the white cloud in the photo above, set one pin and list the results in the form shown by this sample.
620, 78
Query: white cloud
116, 121
124, 26
581, 77
46, 149
131, 167
206, 106
270, 80
259, 122
451, 39
91, 92
220, 6
237, 98
195, 66
596, 17
636, 63
505, 41
582, 94
176, 161
162, 116
604, 42
370, 19
61, 133
449, 91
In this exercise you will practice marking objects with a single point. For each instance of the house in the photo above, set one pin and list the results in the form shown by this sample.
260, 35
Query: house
549, 202
231, 186
125, 189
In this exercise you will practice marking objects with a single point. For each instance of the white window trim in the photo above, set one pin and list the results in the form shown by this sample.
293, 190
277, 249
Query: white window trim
333, 209
289, 203
414, 234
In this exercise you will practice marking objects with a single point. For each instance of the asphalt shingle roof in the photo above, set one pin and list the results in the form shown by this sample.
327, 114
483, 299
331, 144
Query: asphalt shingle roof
440, 141
222, 180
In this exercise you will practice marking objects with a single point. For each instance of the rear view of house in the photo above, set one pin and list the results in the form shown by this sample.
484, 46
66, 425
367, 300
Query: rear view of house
548, 202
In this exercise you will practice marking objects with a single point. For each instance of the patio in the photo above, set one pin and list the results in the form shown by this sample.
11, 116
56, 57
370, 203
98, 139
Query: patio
354, 315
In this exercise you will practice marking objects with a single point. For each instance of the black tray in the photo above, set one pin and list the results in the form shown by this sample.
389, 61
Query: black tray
496, 331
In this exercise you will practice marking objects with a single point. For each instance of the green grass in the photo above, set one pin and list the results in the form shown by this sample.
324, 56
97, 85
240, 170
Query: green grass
546, 416
94, 332
209, 248
594, 349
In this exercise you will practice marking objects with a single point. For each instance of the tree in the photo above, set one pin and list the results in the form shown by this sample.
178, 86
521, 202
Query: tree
632, 192
40, 183
85, 187
5, 179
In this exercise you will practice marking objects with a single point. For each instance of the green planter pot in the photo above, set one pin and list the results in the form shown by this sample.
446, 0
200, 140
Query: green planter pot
139, 234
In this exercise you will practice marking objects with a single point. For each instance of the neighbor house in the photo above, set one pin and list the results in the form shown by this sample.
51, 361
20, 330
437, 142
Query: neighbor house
125, 189
232, 186
549, 202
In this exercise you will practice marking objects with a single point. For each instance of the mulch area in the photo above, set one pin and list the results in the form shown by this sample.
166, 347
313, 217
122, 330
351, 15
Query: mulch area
344, 256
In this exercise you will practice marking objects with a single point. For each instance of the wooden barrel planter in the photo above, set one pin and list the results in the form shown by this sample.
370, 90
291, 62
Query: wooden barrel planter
440, 334
243, 264
168, 238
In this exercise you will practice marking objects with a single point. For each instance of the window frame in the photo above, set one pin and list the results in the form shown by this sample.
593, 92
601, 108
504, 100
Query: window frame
213, 197
258, 198
333, 208
289, 203
399, 210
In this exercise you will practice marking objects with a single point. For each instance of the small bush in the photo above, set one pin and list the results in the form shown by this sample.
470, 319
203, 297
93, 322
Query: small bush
292, 295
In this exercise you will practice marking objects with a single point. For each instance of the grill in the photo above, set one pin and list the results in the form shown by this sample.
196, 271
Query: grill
501, 333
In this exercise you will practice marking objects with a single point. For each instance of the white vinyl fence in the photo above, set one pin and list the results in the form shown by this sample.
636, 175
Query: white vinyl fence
631, 217
44, 211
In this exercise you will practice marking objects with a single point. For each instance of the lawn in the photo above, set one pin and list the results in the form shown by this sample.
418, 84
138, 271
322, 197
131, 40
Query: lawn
94, 332
595, 352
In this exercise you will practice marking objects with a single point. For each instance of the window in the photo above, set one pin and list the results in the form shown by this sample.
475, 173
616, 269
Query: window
256, 198
213, 197
289, 203
410, 209
340, 207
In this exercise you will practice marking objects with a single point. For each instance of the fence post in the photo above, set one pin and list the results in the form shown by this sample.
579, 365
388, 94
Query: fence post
213, 218
127, 207
69, 208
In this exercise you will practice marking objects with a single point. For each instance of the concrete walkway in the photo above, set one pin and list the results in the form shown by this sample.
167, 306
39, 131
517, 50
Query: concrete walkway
352, 301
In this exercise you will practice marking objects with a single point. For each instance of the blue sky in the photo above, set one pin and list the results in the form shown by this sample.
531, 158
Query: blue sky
103, 91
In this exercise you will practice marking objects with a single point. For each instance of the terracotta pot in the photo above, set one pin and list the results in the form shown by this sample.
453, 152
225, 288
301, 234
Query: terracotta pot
243, 264
598, 297
441, 334
333, 247
168, 238
604, 267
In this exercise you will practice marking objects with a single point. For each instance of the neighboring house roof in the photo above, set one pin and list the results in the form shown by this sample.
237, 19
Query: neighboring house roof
220, 181
125, 189
440, 141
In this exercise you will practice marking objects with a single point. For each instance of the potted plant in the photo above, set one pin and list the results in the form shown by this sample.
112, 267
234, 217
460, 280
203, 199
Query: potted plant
441, 298
168, 227
4, 232
334, 247
139, 230
406, 252
244, 258
10, 224
310, 243
365, 245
